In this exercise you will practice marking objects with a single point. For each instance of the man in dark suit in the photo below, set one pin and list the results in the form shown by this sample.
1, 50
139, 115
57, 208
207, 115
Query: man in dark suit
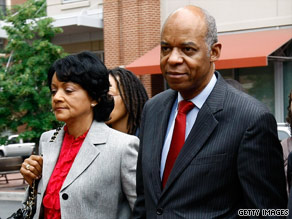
230, 157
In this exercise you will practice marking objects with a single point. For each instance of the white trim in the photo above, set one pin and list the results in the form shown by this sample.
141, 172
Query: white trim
257, 29
70, 1
74, 4
92, 18
279, 92
87, 18
254, 24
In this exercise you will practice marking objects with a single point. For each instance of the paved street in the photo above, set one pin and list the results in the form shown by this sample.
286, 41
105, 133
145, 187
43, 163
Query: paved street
15, 184
11, 194
8, 207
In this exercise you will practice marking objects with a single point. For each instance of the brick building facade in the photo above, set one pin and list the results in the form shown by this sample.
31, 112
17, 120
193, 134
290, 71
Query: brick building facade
131, 28
17, 2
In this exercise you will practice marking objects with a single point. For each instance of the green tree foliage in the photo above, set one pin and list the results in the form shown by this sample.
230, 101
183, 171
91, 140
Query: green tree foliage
24, 94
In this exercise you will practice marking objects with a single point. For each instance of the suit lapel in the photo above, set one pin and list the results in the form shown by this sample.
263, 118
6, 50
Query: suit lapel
205, 123
160, 131
51, 151
88, 152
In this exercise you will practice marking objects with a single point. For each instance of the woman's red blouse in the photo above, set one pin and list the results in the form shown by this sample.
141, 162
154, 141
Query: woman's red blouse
69, 150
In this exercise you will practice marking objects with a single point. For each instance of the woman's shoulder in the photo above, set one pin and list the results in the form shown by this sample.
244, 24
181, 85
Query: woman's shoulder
115, 134
125, 145
111, 136
122, 140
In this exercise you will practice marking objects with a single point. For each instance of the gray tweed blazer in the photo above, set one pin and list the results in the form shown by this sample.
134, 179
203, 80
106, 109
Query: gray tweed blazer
101, 182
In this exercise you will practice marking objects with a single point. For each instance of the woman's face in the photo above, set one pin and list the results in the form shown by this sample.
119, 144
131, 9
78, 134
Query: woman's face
119, 112
70, 102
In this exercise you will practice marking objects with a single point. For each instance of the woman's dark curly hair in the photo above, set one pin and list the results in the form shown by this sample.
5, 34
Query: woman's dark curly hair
289, 115
91, 74
133, 95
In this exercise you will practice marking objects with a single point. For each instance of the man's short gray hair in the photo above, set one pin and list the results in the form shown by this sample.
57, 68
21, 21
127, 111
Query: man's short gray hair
211, 35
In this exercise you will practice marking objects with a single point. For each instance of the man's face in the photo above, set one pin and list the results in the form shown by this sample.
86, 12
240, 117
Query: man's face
185, 60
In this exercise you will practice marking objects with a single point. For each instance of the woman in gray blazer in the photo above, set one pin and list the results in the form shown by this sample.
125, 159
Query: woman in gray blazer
88, 168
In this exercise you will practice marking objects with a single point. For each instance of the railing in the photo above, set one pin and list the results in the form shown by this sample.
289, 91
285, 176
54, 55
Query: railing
10, 165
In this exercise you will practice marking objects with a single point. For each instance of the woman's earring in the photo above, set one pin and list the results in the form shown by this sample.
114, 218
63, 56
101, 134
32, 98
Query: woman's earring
92, 105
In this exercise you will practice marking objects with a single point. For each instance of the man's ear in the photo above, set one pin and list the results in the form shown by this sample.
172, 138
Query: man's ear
215, 51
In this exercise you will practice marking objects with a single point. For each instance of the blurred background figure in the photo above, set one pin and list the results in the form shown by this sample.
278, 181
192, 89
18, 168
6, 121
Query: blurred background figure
129, 96
287, 143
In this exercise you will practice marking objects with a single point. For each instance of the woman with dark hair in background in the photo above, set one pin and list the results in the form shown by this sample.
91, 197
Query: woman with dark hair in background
129, 96
88, 168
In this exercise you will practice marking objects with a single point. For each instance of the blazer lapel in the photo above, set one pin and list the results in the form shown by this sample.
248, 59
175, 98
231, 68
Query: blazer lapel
201, 131
51, 151
88, 152
160, 130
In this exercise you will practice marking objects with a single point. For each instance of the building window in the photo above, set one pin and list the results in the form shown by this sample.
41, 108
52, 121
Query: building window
1, 45
227, 73
100, 55
259, 83
287, 69
2, 7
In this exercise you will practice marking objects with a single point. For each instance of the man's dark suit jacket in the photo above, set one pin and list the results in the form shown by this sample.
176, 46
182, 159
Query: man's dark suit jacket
289, 171
232, 159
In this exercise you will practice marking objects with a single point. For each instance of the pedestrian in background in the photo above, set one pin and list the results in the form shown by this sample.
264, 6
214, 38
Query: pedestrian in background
129, 96
287, 143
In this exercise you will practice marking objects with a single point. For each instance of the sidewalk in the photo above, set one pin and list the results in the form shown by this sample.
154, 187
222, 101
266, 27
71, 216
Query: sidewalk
14, 189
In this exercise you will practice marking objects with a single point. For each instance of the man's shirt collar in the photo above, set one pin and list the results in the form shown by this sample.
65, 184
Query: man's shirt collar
200, 99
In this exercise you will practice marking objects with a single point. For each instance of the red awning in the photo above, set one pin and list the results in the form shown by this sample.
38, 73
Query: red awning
239, 50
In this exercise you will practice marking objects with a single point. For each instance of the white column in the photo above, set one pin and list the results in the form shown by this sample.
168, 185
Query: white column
279, 91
